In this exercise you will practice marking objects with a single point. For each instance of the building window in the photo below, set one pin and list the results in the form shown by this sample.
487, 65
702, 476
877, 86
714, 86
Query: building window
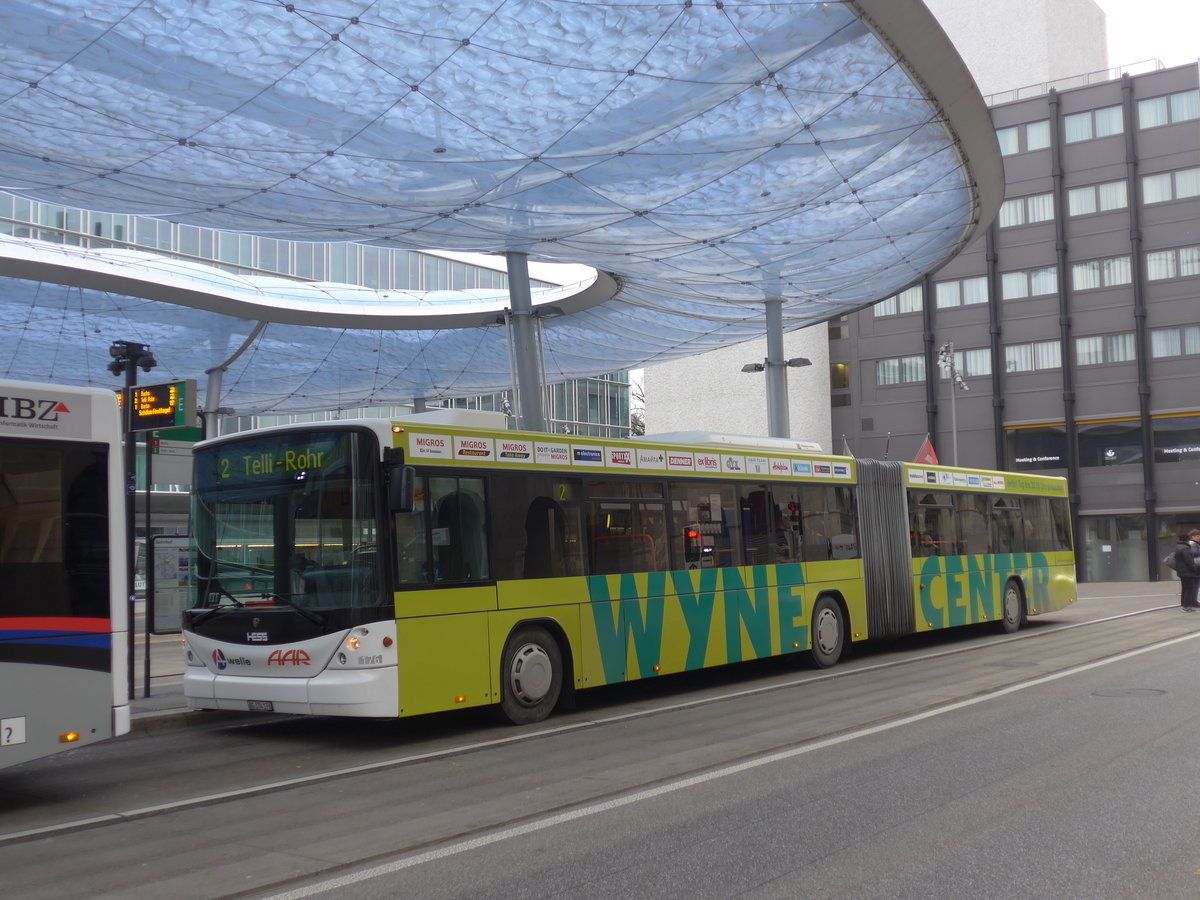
908, 301
1182, 262
1098, 273
1034, 357
1169, 110
839, 328
1083, 201
1094, 123
1182, 341
905, 370
839, 385
1167, 186
1030, 283
1101, 349
839, 376
961, 292
1024, 138
1027, 210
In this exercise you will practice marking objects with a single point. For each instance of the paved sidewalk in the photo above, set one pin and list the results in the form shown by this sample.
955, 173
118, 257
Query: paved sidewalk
164, 709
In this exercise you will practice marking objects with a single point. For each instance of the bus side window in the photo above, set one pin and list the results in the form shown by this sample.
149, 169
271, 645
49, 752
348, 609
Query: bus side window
931, 524
459, 529
766, 529
536, 526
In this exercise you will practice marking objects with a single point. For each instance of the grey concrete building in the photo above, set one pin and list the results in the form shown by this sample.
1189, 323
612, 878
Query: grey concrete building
1074, 323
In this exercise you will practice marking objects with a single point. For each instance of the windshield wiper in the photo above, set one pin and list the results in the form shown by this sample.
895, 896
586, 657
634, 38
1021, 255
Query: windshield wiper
202, 615
312, 615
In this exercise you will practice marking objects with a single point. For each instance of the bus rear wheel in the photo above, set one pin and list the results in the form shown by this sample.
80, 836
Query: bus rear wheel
828, 634
531, 674
1013, 612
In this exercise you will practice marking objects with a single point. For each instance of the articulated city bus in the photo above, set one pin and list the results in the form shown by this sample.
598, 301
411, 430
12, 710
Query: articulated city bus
63, 632
373, 568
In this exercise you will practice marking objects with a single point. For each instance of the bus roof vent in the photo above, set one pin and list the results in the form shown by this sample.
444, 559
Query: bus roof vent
716, 439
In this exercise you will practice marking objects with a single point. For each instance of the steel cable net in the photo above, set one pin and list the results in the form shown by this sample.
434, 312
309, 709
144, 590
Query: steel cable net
710, 156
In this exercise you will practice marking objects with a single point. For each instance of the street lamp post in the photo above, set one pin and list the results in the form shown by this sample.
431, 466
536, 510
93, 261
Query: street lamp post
946, 361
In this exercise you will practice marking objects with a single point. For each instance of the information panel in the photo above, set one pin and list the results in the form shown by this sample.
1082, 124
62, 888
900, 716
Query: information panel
168, 405
170, 569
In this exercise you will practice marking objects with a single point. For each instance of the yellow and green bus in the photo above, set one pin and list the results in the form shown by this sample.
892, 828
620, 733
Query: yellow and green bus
378, 568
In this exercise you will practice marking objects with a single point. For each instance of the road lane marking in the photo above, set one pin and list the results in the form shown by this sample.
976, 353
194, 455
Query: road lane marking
504, 834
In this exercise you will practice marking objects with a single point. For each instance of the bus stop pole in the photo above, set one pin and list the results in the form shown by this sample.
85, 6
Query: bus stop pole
148, 601
130, 453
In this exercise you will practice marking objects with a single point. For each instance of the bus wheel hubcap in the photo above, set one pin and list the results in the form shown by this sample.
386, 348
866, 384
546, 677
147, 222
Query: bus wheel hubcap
531, 674
827, 631
1012, 604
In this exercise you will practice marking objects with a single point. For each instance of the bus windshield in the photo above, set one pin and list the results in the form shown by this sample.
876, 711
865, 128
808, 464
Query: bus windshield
286, 520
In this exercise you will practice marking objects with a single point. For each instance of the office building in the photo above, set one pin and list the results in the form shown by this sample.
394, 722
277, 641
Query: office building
1074, 322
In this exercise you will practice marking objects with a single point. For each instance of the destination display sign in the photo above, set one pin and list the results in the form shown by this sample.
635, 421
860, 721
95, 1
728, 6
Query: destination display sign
272, 460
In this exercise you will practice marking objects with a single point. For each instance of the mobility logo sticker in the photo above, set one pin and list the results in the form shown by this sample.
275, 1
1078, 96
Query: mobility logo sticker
822, 469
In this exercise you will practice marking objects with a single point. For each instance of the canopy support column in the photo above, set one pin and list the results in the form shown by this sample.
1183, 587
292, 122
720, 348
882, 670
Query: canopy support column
778, 424
524, 345
210, 416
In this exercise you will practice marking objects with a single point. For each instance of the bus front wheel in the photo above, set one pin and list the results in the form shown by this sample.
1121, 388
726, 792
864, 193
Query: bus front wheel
1013, 613
828, 633
531, 675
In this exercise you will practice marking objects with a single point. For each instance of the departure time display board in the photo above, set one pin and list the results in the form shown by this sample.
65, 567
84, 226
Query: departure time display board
155, 406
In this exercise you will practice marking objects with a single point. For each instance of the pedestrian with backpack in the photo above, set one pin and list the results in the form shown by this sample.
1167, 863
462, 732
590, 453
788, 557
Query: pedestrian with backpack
1187, 567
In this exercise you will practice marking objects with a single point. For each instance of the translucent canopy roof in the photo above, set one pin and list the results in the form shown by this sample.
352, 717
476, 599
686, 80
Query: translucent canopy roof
702, 157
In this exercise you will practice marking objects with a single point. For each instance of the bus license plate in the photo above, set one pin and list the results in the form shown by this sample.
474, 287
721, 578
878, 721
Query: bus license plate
260, 706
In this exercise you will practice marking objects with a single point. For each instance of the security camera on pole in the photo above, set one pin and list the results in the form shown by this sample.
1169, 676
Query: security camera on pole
946, 361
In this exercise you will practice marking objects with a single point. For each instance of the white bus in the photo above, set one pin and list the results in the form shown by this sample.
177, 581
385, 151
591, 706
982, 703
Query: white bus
63, 617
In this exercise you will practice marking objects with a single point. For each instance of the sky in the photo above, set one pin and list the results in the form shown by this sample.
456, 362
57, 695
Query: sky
1152, 29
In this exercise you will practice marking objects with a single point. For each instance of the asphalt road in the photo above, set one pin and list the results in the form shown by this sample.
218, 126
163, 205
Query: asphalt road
1054, 764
